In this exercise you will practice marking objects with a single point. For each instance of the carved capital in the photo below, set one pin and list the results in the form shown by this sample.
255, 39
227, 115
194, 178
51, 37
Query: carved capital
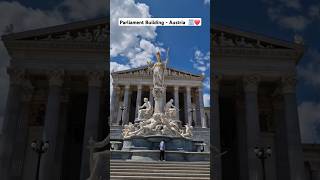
176, 88
115, 86
216, 79
127, 87
251, 82
94, 78
188, 88
139, 87
17, 76
56, 77
27, 91
199, 89
288, 83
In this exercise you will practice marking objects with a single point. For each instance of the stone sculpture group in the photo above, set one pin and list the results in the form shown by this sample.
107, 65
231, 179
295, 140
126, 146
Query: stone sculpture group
161, 119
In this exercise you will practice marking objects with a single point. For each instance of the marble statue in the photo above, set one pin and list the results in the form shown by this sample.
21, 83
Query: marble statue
158, 69
162, 120
145, 111
188, 131
170, 110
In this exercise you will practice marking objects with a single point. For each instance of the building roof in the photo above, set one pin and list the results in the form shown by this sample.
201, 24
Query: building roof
145, 68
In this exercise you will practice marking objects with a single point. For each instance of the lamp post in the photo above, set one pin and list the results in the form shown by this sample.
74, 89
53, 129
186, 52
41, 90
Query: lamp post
263, 153
192, 120
40, 147
122, 108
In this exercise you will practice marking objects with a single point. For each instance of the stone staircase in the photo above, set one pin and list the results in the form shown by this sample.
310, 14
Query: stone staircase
159, 170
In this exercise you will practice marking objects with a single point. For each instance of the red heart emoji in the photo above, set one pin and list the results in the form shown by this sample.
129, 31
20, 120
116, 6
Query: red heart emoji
197, 21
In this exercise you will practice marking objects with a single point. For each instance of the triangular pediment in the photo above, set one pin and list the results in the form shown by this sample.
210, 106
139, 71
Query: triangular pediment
143, 70
229, 37
83, 31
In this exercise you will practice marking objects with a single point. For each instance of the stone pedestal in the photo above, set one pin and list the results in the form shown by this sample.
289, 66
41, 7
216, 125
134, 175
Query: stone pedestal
152, 143
158, 93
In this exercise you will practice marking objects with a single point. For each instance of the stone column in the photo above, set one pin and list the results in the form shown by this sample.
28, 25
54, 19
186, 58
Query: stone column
189, 106
185, 107
62, 131
241, 137
201, 108
11, 118
92, 119
295, 153
50, 130
176, 99
116, 106
281, 146
151, 96
113, 108
120, 103
215, 127
138, 101
125, 112
250, 84
20, 143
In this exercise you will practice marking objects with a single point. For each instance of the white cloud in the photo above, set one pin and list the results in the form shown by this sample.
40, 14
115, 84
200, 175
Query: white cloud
25, 18
206, 2
295, 4
309, 117
83, 9
314, 11
206, 83
290, 14
296, 23
311, 71
206, 100
135, 43
201, 61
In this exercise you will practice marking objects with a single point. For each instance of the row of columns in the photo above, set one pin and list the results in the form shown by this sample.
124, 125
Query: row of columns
288, 153
14, 121
115, 100
15, 125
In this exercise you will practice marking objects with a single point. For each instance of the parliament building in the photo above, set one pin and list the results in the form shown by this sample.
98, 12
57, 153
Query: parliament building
59, 92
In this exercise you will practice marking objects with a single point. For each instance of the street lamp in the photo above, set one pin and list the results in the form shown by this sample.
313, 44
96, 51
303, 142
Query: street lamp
263, 153
192, 120
122, 108
39, 147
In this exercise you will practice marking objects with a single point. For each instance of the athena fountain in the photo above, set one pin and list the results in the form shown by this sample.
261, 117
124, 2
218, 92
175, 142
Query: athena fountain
159, 123
160, 120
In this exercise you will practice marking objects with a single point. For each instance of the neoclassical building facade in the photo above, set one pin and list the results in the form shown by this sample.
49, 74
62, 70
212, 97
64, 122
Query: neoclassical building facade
59, 92
254, 92
131, 86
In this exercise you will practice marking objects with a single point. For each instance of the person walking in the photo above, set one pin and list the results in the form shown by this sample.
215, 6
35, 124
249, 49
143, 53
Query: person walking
162, 149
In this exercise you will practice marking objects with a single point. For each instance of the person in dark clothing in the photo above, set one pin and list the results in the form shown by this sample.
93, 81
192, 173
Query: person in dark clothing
162, 149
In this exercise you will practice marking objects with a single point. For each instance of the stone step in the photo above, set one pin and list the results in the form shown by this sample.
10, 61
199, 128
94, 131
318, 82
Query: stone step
156, 178
160, 162
160, 170
169, 170
158, 174
161, 167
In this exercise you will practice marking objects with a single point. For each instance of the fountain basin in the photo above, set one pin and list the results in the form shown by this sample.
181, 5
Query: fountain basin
152, 143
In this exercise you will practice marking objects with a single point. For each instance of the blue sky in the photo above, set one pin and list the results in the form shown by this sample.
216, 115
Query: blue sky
284, 19
189, 46
276, 18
